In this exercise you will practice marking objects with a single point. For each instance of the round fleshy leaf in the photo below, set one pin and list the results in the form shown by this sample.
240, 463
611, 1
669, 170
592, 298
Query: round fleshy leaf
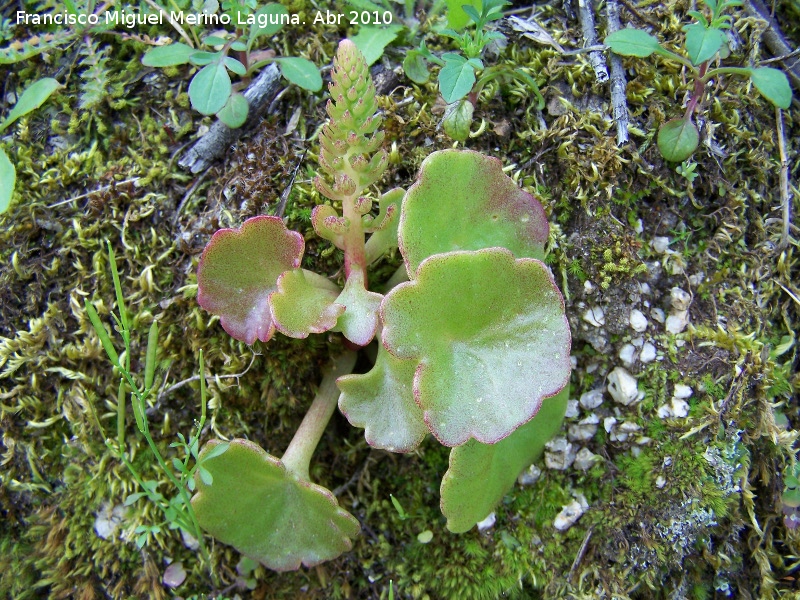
304, 303
384, 226
462, 200
239, 269
678, 139
481, 474
382, 402
490, 339
266, 513
360, 319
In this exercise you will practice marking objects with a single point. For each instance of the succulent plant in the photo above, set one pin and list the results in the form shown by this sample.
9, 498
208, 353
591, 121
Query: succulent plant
472, 348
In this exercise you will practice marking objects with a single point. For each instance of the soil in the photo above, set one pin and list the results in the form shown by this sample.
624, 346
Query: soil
683, 496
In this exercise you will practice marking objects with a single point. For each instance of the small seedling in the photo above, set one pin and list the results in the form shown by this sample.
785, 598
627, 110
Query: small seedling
706, 41
211, 90
462, 75
135, 390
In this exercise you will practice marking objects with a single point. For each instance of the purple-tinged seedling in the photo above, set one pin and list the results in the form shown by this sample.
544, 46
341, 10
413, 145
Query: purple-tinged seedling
473, 342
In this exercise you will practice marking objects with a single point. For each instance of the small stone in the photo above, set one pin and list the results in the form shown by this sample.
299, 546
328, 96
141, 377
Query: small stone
657, 314
568, 516
624, 431
638, 341
661, 481
585, 459
627, 354
559, 454
189, 540
174, 575
661, 244
664, 412
594, 316
682, 391
680, 299
584, 430
488, 522
588, 286
622, 386
592, 399
530, 475
107, 519
609, 423
572, 409
680, 408
677, 321
645, 287
697, 278
638, 321
648, 353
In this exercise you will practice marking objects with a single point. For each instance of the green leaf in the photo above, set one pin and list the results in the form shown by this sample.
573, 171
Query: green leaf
456, 77
384, 226
481, 474
214, 40
210, 88
168, 56
101, 332
234, 65
304, 303
462, 200
490, 339
205, 476
8, 179
416, 67
151, 356
773, 85
456, 17
678, 139
372, 40
458, 119
267, 513
301, 72
234, 113
471, 12
271, 25
201, 57
791, 498
382, 402
703, 43
32, 98
132, 498
239, 269
632, 42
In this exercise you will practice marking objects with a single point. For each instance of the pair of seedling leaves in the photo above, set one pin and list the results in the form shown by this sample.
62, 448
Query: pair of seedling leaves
471, 349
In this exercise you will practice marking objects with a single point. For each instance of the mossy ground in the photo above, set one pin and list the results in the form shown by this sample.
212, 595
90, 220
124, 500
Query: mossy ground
86, 176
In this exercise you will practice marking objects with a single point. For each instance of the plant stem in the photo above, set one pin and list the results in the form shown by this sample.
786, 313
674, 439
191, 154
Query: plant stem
297, 457
697, 93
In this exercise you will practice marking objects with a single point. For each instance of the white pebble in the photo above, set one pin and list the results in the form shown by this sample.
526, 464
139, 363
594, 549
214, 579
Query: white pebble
624, 431
682, 391
622, 386
677, 321
488, 522
572, 409
609, 423
680, 299
592, 399
660, 244
584, 430
594, 316
588, 286
648, 353
664, 412
661, 481
560, 454
638, 320
657, 314
585, 459
530, 475
680, 408
107, 519
568, 516
627, 354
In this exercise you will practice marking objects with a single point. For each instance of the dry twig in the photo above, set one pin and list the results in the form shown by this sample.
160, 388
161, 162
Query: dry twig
786, 197
619, 104
586, 18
